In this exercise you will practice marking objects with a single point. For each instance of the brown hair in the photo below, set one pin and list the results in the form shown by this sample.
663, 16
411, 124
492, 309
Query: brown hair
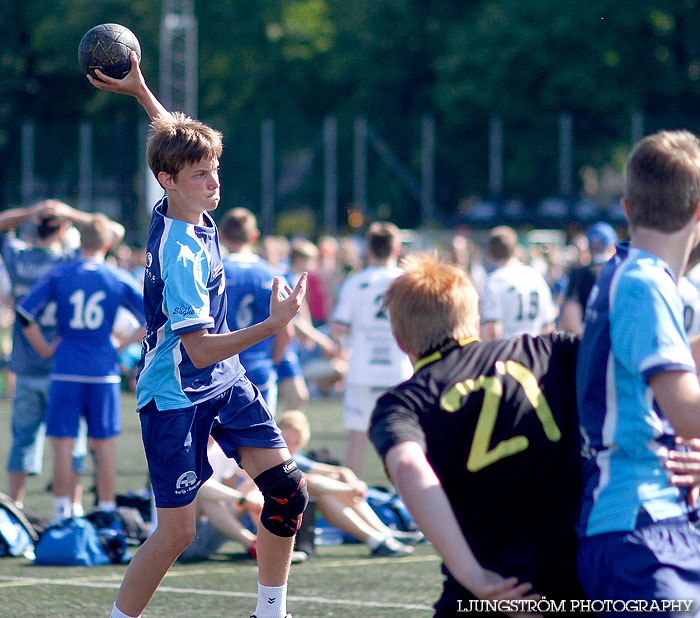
175, 140
431, 302
502, 243
239, 226
662, 180
383, 239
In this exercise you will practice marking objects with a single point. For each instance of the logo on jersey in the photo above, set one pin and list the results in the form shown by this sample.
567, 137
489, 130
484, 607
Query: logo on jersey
184, 310
149, 259
187, 482
186, 254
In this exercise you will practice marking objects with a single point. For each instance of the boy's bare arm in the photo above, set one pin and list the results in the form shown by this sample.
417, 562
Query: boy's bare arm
205, 348
678, 395
422, 492
34, 335
134, 84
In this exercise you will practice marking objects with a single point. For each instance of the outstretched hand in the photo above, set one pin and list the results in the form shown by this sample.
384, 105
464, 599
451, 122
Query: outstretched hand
284, 306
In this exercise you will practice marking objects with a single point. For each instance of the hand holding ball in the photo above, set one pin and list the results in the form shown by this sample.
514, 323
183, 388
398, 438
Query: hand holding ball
107, 47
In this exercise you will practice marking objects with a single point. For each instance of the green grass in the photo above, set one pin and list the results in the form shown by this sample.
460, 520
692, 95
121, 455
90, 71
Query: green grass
343, 581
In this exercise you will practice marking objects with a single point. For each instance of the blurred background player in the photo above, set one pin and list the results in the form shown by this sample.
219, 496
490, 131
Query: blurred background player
293, 392
26, 262
477, 416
248, 288
516, 299
361, 323
85, 374
601, 246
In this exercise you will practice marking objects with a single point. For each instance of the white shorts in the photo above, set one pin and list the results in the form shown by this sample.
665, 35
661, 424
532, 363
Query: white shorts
358, 404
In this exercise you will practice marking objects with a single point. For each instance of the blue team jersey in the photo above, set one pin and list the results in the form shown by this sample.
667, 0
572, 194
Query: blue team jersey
25, 266
248, 290
184, 291
87, 295
633, 328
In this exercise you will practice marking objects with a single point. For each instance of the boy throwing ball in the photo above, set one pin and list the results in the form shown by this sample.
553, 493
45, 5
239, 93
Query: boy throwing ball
191, 383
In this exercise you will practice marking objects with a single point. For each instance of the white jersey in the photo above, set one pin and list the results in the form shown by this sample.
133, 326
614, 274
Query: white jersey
375, 357
517, 296
691, 306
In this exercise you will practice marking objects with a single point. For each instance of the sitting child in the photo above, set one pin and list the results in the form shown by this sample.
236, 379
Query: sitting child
340, 495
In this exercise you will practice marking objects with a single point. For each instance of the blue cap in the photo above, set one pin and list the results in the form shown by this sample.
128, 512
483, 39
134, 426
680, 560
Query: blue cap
601, 236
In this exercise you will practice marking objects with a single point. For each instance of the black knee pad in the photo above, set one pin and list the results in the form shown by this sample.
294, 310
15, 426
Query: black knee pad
284, 490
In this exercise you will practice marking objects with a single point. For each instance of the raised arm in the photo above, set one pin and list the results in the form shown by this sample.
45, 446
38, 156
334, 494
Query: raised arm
134, 85
14, 217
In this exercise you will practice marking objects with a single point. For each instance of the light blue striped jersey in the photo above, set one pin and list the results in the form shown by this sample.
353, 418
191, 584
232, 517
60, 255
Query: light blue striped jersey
184, 291
87, 295
633, 328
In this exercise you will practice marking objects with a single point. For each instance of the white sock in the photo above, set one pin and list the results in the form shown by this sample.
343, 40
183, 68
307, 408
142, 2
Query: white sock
106, 505
61, 507
77, 509
272, 601
117, 613
374, 539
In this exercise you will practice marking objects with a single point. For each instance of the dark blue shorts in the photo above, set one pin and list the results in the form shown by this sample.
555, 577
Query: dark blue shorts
657, 562
98, 403
175, 441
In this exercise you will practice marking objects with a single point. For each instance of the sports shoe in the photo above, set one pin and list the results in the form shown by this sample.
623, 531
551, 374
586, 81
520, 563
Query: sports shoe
287, 616
391, 548
408, 537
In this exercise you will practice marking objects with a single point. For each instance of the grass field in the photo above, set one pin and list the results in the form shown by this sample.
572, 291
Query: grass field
343, 582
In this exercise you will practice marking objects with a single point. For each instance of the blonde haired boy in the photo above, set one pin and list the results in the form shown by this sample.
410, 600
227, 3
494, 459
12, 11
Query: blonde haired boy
481, 443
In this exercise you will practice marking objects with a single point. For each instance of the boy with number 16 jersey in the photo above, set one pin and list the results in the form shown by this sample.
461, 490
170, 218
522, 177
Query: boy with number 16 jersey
85, 376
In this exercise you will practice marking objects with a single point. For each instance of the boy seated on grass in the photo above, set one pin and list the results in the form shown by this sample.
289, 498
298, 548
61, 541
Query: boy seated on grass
341, 496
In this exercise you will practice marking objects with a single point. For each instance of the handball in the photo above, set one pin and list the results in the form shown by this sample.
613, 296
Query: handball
107, 47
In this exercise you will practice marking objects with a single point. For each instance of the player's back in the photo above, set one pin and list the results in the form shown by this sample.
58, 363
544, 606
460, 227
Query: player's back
501, 432
517, 296
248, 289
375, 358
87, 295
25, 266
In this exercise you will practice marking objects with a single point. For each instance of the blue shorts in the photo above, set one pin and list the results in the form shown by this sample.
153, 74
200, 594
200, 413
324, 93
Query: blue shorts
175, 441
98, 403
656, 562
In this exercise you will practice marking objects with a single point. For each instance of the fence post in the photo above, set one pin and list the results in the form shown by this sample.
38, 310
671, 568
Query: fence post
268, 176
330, 175
360, 169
